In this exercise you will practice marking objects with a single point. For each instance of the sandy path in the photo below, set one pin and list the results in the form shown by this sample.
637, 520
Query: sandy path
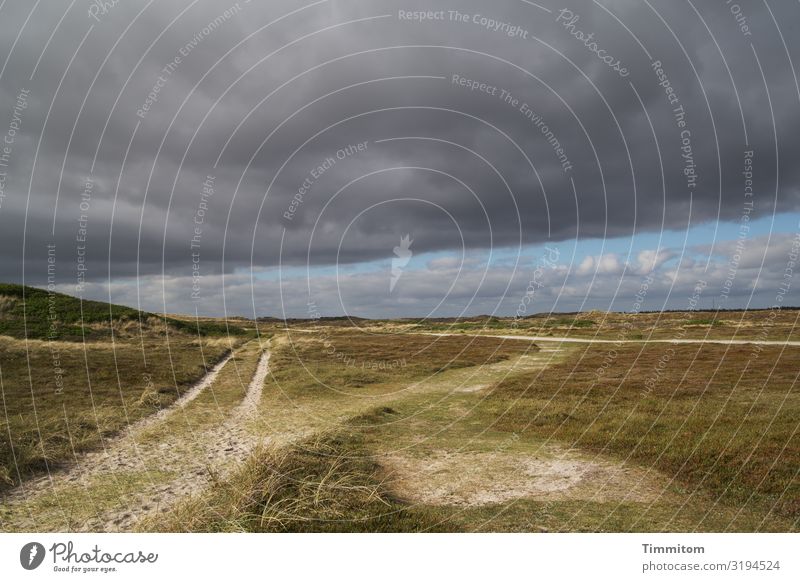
249, 405
188, 397
138, 475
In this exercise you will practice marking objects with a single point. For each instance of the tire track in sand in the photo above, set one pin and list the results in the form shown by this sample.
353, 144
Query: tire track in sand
148, 469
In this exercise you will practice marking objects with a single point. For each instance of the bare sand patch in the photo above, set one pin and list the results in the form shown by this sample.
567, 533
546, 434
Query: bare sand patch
488, 478
472, 389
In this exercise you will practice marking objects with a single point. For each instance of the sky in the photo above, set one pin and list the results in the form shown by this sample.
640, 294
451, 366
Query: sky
399, 158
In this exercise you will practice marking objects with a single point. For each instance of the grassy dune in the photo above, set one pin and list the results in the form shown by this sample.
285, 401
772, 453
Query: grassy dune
72, 373
27, 312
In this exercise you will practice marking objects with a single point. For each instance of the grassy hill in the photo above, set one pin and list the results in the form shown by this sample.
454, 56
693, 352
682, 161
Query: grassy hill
38, 314
68, 387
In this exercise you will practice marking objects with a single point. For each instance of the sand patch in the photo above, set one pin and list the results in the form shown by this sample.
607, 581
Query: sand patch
472, 389
487, 478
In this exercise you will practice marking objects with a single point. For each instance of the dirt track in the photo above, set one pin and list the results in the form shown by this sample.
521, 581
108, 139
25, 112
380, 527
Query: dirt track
143, 472
158, 462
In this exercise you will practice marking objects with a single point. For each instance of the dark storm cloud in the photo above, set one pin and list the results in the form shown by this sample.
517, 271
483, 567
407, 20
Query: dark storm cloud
261, 107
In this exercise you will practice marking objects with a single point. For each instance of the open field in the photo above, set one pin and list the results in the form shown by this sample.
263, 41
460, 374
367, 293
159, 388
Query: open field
758, 325
394, 426
541, 442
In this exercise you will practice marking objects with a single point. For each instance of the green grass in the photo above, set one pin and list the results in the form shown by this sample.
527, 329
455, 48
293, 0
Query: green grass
781, 325
319, 487
70, 507
348, 360
215, 403
724, 449
728, 431
75, 372
573, 323
333, 483
715, 424
28, 312
149, 466
48, 416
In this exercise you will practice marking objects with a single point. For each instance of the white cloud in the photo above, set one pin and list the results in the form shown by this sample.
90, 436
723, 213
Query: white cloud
593, 282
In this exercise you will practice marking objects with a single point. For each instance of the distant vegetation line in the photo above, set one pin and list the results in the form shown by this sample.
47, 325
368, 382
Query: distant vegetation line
41, 314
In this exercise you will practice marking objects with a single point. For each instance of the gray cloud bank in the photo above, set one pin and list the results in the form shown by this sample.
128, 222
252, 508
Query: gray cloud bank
159, 144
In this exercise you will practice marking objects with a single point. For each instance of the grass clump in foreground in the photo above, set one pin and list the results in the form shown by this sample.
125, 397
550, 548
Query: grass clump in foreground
332, 484
321, 486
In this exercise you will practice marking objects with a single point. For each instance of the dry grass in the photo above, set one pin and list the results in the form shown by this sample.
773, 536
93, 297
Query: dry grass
704, 449
54, 410
714, 426
319, 487
778, 325
718, 421
163, 459
355, 360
